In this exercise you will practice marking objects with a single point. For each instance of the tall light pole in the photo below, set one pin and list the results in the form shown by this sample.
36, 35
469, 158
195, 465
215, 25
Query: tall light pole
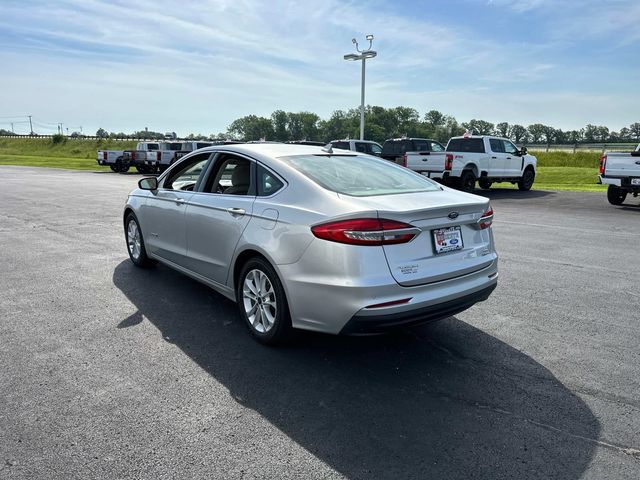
362, 55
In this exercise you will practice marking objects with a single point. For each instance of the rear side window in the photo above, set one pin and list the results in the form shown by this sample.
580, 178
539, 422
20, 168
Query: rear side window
341, 145
496, 145
268, 183
467, 145
359, 176
421, 146
361, 147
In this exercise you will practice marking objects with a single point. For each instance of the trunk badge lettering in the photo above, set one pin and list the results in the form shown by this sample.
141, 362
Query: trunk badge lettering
453, 215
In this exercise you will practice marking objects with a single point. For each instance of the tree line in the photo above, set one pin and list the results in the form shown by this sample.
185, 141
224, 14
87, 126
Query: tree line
382, 123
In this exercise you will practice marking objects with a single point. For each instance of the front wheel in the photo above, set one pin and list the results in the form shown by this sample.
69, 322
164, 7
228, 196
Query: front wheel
135, 243
616, 195
115, 167
526, 182
262, 302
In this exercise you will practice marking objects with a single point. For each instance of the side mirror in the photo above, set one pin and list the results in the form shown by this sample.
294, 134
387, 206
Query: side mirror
148, 183
523, 151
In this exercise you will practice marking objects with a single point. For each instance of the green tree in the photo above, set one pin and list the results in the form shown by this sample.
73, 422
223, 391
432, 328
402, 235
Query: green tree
102, 133
548, 134
279, 120
518, 133
435, 118
251, 127
479, 127
634, 129
536, 132
502, 129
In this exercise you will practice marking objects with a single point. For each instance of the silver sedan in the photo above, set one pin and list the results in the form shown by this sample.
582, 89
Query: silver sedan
318, 239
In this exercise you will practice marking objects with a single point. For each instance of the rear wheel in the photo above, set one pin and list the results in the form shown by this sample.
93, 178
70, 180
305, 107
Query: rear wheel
526, 182
484, 184
262, 302
467, 181
135, 243
115, 167
616, 195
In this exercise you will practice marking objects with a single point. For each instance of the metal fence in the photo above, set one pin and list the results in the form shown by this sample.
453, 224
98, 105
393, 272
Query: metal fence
587, 147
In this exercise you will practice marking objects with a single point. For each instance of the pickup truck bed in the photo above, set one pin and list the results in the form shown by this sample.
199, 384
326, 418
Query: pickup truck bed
621, 171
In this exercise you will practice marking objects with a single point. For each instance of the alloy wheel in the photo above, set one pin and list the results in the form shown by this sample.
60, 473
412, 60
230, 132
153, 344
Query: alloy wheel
133, 239
259, 300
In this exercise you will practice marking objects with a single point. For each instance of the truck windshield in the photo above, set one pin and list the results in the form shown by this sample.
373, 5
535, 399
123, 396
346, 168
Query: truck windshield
359, 176
174, 146
467, 145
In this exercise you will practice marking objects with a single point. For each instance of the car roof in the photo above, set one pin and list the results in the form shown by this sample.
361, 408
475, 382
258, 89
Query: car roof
410, 138
273, 150
479, 136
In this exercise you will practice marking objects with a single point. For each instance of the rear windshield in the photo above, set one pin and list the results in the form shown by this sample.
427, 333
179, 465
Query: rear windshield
470, 145
359, 176
174, 146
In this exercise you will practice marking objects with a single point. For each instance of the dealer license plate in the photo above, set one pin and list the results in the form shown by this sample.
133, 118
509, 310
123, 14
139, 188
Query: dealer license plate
635, 181
447, 239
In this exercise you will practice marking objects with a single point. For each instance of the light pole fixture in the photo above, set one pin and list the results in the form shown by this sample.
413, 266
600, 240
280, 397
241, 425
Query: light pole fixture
362, 55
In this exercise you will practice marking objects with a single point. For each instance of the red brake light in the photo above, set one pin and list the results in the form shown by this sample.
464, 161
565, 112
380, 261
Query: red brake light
404, 160
448, 161
486, 219
366, 231
104, 156
603, 164
158, 155
133, 155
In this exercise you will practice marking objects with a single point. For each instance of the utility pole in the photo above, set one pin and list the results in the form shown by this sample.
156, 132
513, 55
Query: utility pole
30, 126
12, 128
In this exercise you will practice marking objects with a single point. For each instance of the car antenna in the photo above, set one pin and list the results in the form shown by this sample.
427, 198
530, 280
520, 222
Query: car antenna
328, 148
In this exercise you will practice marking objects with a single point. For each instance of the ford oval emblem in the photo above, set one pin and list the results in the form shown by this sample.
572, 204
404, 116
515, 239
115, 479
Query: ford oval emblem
453, 215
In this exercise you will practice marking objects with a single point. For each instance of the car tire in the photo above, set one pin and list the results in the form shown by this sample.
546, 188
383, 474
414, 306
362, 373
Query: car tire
484, 184
467, 181
526, 182
262, 302
142, 169
616, 195
135, 243
115, 167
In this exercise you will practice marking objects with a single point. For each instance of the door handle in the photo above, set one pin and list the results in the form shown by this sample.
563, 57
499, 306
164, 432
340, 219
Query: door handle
236, 211
179, 201
494, 157
508, 158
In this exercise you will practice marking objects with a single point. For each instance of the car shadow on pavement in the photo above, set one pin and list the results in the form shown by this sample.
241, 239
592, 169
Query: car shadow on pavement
446, 400
513, 194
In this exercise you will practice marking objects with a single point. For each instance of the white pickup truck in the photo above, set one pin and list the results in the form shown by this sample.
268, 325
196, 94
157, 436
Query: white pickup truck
113, 159
480, 158
150, 157
621, 171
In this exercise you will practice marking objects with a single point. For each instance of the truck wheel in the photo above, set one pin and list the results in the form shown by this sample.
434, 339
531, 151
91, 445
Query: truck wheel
125, 168
467, 181
115, 167
142, 169
526, 182
484, 183
616, 195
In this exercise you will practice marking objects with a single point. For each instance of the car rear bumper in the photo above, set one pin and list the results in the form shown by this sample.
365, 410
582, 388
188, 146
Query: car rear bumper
365, 301
364, 324
609, 181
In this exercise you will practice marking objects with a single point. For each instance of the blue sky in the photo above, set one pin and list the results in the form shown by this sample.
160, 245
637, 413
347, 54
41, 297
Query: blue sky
195, 66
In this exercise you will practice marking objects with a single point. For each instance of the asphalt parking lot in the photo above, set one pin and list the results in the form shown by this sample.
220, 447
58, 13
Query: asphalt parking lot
109, 371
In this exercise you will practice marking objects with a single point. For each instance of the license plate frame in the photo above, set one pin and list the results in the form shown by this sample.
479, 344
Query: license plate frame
635, 182
447, 239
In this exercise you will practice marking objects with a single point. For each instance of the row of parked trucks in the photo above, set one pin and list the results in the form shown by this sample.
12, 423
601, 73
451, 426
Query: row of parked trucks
465, 161
148, 157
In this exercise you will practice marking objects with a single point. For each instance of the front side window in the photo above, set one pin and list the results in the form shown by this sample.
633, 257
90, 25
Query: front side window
341, 145
436, 147
374, 149
359, 176
187, 173
361, 147
509, 147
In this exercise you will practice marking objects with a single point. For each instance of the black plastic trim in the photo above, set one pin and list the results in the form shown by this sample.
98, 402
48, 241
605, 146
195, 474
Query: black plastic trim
361, 324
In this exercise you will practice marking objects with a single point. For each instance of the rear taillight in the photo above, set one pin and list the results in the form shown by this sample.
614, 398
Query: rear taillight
104, 156
404, 160
448, 161
158, 155
366, 231
603, 164
133, 156
486, 219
